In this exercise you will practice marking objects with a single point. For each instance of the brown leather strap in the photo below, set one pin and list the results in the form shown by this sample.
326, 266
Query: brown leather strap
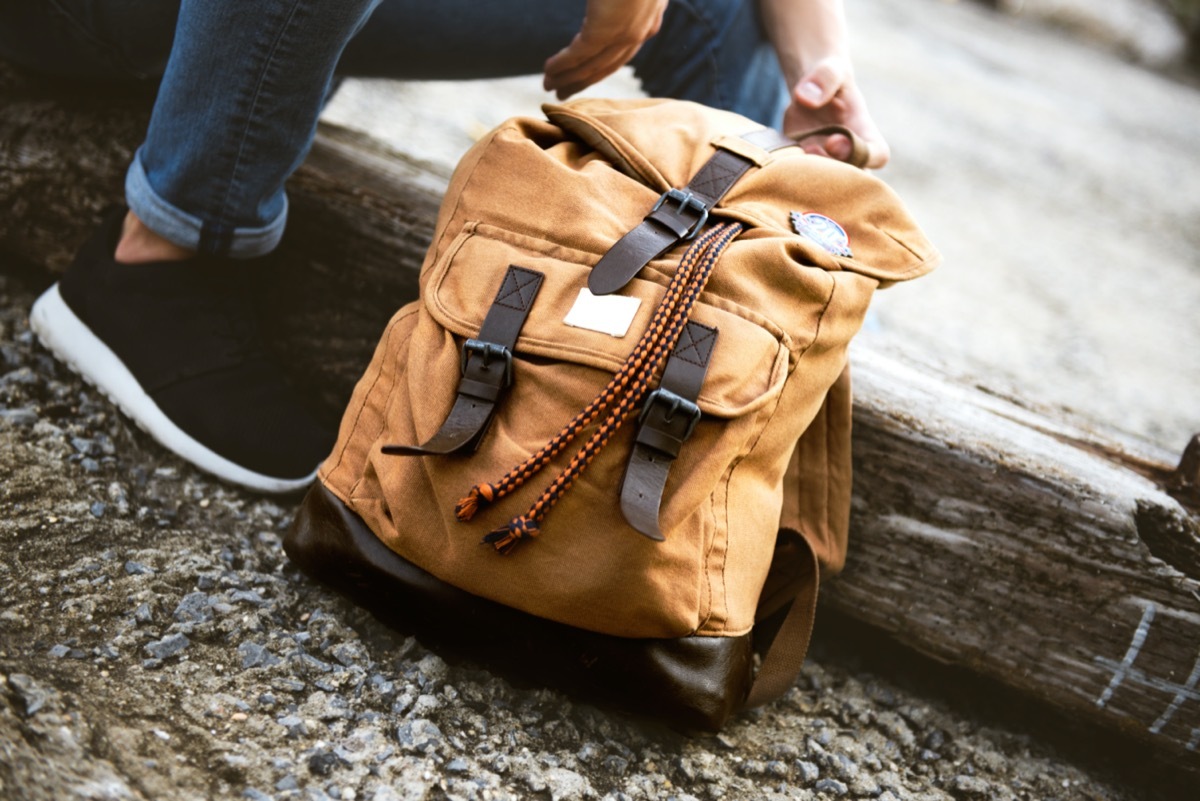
668, 418
785, 654
677, 215
860, 151
486, 368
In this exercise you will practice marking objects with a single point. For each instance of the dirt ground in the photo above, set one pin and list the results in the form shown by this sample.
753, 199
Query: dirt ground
155, 644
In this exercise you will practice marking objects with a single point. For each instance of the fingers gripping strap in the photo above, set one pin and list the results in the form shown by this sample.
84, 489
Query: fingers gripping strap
860, 152
678, 215
668, 419
486, 368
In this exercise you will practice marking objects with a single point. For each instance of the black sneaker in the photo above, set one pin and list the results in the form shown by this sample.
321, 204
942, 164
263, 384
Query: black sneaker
176, 346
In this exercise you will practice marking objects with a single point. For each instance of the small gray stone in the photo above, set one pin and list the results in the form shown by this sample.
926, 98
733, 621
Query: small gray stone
294, 725
383, 685
426, 704
349, 653
247, 596
615, 765
33, 696
831, 786
137, 568
143, 614
843, 766
419, 735
971, 786
322, 763
18, 417
171, 645
288, 685
196, 607
808, 772
59, 651
255, 655
287, 783
98, 508
567, 785
306, 664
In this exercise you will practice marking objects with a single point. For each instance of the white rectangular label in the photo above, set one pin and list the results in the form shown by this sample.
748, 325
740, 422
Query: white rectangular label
607, 314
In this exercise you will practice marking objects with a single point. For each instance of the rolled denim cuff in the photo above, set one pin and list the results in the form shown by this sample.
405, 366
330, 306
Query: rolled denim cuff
192, 232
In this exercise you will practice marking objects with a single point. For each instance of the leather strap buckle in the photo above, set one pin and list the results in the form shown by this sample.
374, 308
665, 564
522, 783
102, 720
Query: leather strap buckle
675, 404
481, 384
686, 200
489, 352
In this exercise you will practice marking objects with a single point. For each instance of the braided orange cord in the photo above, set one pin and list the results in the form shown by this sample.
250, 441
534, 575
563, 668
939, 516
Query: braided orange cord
709, 249
482, 495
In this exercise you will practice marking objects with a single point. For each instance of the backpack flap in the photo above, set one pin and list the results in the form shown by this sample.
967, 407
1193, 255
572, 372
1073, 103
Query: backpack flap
663, 144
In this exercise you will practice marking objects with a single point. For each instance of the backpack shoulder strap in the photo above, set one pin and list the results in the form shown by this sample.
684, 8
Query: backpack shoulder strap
785, 654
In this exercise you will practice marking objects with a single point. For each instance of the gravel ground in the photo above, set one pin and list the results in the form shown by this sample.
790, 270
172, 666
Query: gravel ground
155, 644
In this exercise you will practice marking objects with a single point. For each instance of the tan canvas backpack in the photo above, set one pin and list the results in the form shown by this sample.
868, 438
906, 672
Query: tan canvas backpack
613, 433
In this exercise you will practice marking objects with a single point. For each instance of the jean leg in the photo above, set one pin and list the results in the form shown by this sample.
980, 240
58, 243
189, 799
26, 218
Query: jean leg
461, 39
238, 105
711, 51
236, 114
715, 52
93, 40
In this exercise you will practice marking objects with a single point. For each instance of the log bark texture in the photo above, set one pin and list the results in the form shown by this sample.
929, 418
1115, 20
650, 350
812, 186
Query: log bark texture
1038, 554
1044, 556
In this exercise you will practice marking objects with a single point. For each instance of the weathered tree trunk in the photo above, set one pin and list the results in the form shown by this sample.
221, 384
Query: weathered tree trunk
1044, 557
1033, 552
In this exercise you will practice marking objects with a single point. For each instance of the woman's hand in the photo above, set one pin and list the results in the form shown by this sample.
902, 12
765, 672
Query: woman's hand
612, 33
827, 95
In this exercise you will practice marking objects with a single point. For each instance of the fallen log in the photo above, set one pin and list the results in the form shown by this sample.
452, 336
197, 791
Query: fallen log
1046, 557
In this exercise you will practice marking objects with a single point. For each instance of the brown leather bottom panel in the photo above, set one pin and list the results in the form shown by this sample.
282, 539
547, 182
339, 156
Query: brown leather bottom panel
690, 682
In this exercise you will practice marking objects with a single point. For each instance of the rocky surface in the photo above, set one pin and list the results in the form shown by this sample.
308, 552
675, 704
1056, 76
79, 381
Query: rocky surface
155, 644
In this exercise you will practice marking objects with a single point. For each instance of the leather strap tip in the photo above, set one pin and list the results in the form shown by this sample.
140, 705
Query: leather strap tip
597, 284
640, 521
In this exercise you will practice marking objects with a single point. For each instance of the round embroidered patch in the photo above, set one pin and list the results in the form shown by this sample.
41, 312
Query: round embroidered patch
824, 231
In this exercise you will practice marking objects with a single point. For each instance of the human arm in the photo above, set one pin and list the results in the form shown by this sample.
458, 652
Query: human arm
809, 37
612, 32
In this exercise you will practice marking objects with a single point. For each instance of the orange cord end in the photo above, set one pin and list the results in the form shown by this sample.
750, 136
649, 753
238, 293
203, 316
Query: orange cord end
480, 495
507, 538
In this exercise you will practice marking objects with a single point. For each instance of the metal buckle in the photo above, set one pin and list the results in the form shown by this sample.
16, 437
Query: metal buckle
676, 403
686, 200
488, 351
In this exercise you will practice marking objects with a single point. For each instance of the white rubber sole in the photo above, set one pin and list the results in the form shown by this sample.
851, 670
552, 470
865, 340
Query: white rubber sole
70, 339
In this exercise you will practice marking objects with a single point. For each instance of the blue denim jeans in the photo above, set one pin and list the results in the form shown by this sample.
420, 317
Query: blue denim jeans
242, 82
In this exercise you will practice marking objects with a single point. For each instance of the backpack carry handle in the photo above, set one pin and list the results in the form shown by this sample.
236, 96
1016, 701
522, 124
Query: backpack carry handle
860, 151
